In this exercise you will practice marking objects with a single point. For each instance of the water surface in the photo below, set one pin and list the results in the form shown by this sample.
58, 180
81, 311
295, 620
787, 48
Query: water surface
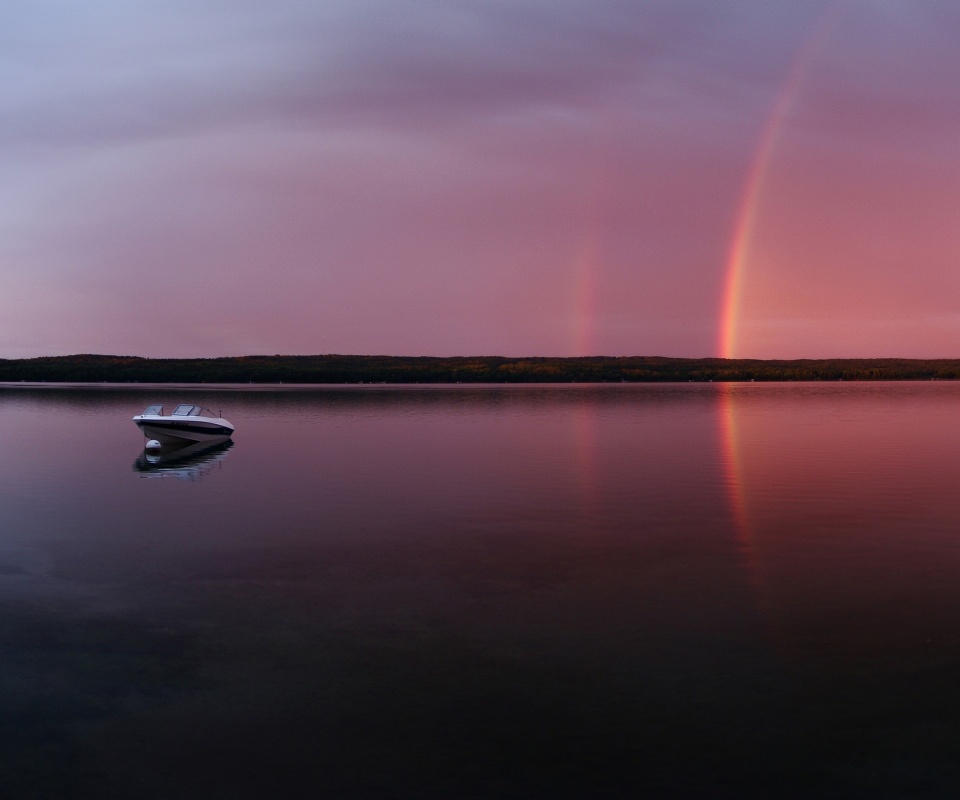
484, 592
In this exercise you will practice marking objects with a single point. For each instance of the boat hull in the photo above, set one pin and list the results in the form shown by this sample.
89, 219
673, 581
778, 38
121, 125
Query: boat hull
171, 431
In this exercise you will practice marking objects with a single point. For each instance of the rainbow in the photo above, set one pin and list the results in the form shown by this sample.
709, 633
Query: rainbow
588, 260
747, 211
588, 264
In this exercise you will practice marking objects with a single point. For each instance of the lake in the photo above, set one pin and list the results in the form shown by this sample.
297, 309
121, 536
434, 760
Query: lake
586, 591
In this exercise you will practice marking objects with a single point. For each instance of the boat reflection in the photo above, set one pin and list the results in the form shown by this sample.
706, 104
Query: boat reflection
186, 463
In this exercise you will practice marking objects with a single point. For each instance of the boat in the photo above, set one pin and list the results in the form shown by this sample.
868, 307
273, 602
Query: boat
185, 424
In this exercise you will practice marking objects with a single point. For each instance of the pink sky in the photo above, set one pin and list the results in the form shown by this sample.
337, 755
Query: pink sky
442, 177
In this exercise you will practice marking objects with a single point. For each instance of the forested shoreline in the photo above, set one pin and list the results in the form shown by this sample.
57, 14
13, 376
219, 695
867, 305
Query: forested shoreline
464, 369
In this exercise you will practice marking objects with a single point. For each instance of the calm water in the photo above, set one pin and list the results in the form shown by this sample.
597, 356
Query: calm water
580, 592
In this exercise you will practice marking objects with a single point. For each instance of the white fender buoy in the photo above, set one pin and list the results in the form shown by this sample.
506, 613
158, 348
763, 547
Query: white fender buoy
153, 444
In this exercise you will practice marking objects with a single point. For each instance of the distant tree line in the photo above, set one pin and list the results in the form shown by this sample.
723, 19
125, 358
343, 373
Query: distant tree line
485, 369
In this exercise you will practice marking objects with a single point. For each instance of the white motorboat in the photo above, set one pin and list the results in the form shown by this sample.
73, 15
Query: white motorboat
185, 424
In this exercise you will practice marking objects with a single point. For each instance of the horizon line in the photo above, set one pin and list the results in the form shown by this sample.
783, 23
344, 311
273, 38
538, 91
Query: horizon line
488, 356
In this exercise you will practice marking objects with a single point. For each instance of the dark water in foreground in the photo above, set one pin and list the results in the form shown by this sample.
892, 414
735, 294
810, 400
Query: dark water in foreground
584, 592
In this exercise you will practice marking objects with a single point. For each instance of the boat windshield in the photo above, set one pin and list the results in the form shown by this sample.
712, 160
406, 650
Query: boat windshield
187, 410
156, 410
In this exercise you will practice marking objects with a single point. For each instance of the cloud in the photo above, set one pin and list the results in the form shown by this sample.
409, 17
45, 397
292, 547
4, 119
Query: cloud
420, 176
105, 73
